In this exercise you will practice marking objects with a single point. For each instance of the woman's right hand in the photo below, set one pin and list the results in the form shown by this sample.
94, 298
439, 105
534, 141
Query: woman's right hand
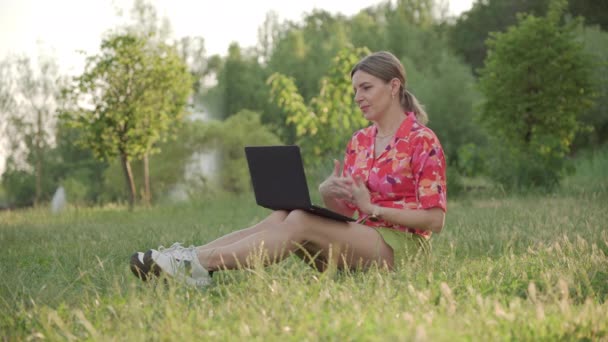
336, 186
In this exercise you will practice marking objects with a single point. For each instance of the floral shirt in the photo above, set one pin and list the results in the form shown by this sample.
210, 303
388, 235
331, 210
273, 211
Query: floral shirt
409, 173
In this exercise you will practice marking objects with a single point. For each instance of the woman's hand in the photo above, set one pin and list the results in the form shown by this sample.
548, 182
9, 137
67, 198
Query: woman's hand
361, 197
336, 186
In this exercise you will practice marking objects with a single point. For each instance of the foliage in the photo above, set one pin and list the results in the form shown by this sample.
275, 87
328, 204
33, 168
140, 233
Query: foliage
324, 125
533, 97
242, 129
470, 162
19, 186
241, 84
305, 51
29, 95
168, 168
75, 168
135, 94
223, 139
593, 11
595, 119
590, 176
472, 29
446, 87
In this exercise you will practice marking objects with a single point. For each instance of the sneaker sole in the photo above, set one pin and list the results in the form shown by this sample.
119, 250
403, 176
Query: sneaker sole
144, 270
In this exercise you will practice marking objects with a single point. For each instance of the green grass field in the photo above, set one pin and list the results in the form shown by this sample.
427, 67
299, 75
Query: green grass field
525, 267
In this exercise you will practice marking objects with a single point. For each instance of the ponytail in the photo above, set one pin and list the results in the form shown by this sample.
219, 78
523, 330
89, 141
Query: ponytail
410, 103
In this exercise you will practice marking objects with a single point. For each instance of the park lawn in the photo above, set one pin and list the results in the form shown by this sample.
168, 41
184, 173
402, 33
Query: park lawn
526, 267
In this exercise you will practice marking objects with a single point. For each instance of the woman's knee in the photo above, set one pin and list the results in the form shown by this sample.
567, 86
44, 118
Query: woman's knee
278, 216
297, 221
273, 220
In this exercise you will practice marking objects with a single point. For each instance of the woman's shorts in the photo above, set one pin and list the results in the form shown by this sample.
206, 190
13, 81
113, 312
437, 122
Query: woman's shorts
407, 247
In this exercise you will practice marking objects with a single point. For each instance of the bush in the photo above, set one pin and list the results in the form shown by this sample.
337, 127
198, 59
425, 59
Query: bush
19, 186
76, 191
537, 82
239, 130
454, 182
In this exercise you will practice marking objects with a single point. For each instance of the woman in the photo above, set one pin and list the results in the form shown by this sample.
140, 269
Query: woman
393, 178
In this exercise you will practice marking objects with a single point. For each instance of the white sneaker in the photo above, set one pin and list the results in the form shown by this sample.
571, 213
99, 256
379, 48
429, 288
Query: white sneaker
177, 262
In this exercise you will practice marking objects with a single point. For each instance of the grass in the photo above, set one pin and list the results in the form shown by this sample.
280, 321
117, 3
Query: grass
527, 267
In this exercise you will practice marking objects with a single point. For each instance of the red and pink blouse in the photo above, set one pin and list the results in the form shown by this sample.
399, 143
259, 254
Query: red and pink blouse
409, 173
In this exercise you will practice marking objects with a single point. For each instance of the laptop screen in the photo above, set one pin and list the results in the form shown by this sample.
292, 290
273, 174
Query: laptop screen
278, 178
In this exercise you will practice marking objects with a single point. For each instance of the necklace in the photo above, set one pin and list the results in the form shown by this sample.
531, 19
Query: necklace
378, 136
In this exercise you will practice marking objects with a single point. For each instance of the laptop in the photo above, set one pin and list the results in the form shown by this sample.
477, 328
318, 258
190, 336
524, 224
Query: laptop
279, 182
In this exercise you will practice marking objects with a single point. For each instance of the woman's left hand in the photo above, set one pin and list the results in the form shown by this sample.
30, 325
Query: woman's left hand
360, 195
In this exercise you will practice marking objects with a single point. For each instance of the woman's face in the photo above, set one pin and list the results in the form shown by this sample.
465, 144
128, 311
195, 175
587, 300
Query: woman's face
372, 95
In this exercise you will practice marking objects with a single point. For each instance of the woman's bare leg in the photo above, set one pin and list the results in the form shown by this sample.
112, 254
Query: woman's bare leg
307, 252
270, 221
352, 244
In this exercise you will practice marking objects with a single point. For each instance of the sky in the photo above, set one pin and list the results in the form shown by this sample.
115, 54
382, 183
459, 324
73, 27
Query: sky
64, 29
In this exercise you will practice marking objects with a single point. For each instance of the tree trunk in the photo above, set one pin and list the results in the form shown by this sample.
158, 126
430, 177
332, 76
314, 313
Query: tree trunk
38, 179
38, 153
147, 193
126, 166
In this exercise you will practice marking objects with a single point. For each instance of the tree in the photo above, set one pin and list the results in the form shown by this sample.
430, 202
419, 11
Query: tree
267, 36
596, 119
325, 124
241, 81
305, 51
446, 88
593, 11
29, 95
192, 52
536, 83
129, 98
74, 168
471, 29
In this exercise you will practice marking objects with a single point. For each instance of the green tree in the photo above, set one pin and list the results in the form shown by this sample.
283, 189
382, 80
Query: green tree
596, 118
29, 95
325, 124
446, 88
471, 29
243, 128
594, 12
74, 168
241, 82
267, 36
305, 51
170, 166
366, 29
192, 52
536, 83
130, 97
469, 33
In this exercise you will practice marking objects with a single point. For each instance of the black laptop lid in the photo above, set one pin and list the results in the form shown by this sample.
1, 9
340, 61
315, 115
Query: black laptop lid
278, 178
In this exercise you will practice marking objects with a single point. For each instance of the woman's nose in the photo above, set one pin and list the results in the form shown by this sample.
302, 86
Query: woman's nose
358, 98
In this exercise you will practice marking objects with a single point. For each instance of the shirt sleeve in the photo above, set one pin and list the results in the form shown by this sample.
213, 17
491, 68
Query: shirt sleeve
349, 159
429, 168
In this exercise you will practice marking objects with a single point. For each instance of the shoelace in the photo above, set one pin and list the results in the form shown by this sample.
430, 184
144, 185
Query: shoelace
178, 251
183, 259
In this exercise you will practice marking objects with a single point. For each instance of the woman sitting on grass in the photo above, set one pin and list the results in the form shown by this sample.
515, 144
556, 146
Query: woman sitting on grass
393, 178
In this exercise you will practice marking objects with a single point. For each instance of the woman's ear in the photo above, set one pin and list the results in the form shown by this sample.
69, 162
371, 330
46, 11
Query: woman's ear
395, 86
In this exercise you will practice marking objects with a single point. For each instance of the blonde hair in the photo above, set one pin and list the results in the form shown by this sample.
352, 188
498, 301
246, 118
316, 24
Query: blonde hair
386, 66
